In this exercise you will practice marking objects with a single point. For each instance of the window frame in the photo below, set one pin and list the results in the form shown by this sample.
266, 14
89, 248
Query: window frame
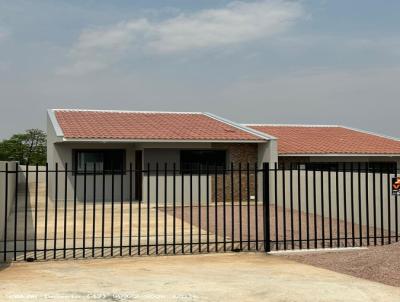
75, 154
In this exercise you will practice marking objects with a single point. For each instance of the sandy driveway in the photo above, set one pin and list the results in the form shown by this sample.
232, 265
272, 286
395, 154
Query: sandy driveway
213, 277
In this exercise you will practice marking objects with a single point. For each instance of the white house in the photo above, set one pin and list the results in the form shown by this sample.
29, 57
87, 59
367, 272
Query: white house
116, 141
164, 143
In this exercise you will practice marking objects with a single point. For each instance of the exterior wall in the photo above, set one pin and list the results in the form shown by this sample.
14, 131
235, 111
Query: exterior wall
267, 153
169, 154
236, 153
63, 153
383, 199
10, 193
240, 155
153, 153
163, 157
254, 154
163, 191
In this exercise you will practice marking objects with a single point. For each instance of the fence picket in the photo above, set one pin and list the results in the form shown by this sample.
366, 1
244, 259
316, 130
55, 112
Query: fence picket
6, 215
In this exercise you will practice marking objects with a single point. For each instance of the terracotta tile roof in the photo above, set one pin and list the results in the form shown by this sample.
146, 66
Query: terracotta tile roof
88, 124
299, 139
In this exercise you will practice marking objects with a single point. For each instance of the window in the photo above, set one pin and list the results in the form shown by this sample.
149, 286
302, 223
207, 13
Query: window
195, 159
372, 166
383, 166
342, 166
107, 160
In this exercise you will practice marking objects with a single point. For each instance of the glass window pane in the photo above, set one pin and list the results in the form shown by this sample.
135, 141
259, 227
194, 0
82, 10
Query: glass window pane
90, 159
195, 159
101, 159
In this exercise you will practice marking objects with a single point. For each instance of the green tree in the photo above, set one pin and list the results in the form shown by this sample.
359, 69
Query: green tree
26, 148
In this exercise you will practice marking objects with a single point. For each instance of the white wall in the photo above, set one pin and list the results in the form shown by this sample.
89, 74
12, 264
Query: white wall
63, 153
187, 196
267, 153
152, 153
387, 199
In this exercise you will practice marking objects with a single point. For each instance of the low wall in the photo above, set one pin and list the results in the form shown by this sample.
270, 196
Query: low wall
31, 172
6, 202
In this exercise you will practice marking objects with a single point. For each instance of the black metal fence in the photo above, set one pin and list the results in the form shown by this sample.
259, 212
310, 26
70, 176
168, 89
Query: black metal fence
62, 213
333, 207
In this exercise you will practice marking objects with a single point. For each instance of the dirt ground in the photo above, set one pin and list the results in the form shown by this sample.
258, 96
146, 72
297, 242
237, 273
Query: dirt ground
213, 277
381, 263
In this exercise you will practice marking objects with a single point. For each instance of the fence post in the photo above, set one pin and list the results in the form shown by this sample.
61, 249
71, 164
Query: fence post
267, 244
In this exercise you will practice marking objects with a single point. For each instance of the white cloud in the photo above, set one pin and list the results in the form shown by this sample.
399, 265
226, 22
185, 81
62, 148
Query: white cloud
236, 23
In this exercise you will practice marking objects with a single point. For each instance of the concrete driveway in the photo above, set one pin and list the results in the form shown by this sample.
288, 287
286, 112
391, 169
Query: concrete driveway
213, 277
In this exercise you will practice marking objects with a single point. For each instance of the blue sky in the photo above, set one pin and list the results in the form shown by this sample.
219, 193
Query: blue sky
329, 62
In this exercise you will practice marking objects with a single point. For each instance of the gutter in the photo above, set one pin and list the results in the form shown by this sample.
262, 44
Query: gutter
106, 140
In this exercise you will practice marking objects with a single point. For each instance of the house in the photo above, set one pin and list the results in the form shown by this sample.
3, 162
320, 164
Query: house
156, 145
116, 141
331, 146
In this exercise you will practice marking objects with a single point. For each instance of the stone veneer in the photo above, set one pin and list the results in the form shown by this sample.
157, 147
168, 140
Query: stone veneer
242, 154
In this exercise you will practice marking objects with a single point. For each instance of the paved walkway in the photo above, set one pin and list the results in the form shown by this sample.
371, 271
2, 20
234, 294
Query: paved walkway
213, 277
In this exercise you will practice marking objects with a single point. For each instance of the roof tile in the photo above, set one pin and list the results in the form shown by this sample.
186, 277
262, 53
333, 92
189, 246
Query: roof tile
84, 124
328, 140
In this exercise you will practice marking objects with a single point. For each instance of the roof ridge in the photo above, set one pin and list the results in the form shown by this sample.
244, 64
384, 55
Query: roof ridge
240, 126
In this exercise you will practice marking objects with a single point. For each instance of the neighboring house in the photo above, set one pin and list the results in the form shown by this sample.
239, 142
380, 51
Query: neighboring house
324, 146
113, 140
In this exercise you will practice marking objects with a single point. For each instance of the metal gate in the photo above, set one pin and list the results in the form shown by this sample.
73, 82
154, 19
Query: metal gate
64, 213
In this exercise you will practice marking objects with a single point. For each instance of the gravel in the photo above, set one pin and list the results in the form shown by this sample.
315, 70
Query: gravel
252, 226
380, 263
